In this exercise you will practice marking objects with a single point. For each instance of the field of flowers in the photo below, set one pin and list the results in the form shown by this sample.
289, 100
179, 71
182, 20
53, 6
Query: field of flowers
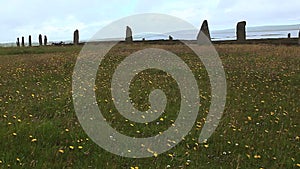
259, 128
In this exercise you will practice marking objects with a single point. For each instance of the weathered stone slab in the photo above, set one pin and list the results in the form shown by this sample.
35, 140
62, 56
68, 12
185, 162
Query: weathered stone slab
29, 40
128, 37
76, 37
18, 42
241, 31
45, 40
23, 41
40, 40
204, 29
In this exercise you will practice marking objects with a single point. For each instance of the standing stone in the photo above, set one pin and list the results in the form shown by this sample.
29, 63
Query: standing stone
76, 37
40, 40
29, 40
299, 38
204, 29
45, 40
170, 38
23, 41
128, 37
18, 42
241, 31
289, 35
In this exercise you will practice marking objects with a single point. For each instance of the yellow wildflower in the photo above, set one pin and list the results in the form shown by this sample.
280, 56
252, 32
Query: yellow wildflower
257, 156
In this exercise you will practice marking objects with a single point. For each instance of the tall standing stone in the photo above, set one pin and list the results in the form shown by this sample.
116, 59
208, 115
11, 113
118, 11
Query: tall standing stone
18, 42
241, 31
128, 37
45, 40
289, 35
23, 41
204, 29
29, 40
170, 38
76, 37
299, 38
40, 40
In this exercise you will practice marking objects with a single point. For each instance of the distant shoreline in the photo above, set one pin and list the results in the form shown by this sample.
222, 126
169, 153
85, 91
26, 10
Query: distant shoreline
275, 41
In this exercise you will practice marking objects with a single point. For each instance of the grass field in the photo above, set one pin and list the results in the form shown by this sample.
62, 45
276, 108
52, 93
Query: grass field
259, 128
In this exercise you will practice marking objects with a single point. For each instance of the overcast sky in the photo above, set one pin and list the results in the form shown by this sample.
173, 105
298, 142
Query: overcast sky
59, 18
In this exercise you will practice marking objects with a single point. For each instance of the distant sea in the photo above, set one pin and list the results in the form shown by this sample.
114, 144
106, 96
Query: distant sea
259, 32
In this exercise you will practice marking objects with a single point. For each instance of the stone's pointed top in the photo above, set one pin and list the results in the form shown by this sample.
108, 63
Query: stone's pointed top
242, 22
128, 37
204, 31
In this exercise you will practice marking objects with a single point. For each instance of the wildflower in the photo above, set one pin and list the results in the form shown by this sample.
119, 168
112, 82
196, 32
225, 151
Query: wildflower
249, 118
34, 140
80, 147
67, 130
18, 159
136, 167
170, 155
71, 147
1, 162
61, 151
257, 156
206, 145
14, 134
4, 116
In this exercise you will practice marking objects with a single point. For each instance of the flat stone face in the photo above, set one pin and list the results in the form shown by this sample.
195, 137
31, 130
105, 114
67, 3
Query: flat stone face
40, 40
29, 40
76, 37
18, 42
204, 29
45, 40
128, 37
299, 37
241, 31
23, 41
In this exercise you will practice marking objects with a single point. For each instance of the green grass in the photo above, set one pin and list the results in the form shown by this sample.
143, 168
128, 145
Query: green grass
259, 128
